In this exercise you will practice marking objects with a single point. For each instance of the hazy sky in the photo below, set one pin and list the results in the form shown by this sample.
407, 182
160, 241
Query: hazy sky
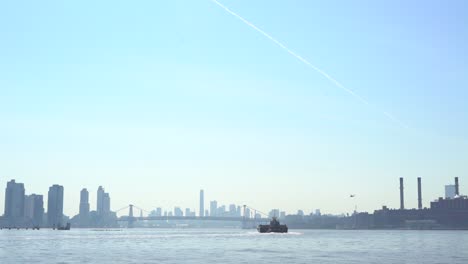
157, 99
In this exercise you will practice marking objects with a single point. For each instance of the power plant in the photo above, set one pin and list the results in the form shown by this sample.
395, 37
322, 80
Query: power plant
443, 213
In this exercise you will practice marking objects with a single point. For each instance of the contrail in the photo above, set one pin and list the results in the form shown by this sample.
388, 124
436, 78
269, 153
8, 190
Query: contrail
297, 56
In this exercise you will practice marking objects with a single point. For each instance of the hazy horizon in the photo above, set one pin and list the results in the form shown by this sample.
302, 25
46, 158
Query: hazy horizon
156, 100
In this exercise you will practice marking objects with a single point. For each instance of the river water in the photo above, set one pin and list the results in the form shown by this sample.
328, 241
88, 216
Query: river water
232, 246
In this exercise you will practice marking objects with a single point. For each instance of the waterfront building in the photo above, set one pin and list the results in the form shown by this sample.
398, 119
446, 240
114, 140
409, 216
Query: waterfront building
34, 209
55, 206
14, 201
84, 206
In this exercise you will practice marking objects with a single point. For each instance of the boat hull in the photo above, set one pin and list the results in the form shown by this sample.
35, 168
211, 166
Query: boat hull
272, 229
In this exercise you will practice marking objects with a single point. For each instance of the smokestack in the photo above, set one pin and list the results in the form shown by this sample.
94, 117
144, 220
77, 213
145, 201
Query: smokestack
402, 199
419, 194
457, 191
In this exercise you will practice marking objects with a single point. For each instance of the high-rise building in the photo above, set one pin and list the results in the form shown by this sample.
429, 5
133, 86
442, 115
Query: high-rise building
14, 200
178, 211
55, 206
34, 209
84, 205
103, 202
202, 203
221, 211
274, 213
100, 200
282, 215
28, 206
232, 210
450, 191
106, 203
238, 211
247, 213
213, 208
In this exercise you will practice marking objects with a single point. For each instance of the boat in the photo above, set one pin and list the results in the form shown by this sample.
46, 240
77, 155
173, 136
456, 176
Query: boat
67, 227
273, 227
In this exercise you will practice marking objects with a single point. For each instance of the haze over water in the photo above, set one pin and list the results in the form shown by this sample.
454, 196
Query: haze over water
232, 246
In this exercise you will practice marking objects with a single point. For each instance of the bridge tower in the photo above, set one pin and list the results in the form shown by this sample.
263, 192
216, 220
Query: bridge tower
131, 219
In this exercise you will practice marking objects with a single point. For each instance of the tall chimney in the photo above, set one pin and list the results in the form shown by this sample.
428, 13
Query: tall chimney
457, 191
419, 194
402, 199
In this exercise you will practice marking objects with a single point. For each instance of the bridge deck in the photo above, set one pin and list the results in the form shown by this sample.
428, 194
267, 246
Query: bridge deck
206, 218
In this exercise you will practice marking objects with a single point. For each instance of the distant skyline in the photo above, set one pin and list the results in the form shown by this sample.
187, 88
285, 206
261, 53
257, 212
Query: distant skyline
156, 100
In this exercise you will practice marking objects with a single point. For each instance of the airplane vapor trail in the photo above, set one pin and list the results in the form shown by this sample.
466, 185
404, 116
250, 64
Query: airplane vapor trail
303, 60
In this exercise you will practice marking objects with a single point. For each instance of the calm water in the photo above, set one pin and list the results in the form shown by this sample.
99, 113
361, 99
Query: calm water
232, 246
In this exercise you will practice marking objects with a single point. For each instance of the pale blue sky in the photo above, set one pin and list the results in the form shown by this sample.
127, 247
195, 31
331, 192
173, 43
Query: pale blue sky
157, 99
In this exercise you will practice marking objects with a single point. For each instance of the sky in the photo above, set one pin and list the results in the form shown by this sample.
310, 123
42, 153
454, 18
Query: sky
155, 100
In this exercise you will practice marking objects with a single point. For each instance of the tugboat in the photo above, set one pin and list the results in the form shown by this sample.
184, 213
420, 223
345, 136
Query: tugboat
273, 227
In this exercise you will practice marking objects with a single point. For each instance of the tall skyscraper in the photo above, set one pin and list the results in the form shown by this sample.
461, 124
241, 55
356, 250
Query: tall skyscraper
55, 206
232, 210
202, 204
100, 200
34, 209
28, 206
84, 205
103, 202
213, 208
106, 203
14, 200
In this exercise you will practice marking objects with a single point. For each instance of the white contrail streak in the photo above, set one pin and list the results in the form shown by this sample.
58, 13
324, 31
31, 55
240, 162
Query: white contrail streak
297, 56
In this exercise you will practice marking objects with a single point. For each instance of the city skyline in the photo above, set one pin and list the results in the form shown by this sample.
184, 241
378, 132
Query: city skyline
161, 98
17, 199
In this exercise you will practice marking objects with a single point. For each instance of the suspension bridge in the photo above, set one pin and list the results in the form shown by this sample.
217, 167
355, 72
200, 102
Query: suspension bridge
130, 219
